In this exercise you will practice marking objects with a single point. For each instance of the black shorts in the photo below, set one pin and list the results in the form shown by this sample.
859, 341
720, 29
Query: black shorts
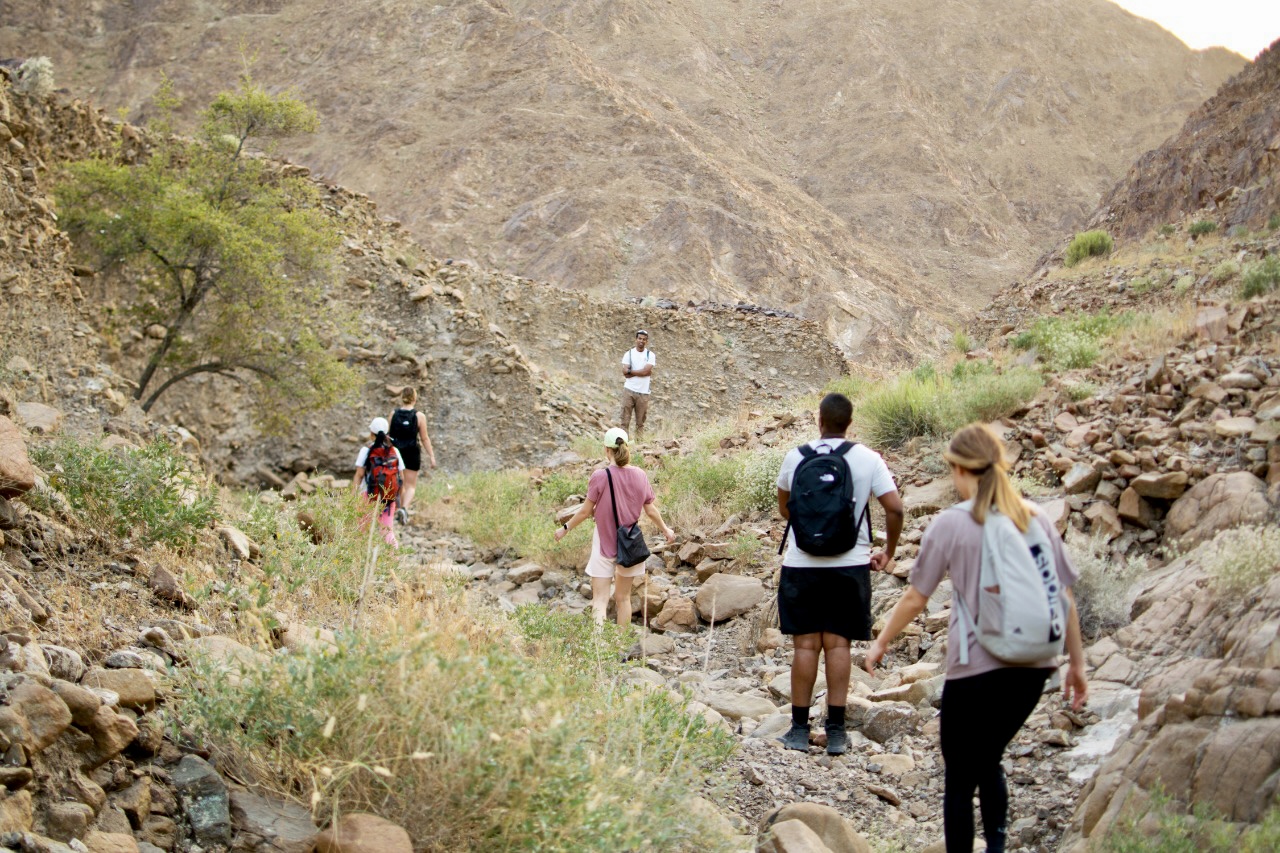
412, 457
835, 600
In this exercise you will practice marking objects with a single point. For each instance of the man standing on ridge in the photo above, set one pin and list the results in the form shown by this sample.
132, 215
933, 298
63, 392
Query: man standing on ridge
824, 592
637, 367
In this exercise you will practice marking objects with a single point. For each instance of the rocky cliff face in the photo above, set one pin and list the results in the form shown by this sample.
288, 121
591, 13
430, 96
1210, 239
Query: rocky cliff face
871, 166
1223, 162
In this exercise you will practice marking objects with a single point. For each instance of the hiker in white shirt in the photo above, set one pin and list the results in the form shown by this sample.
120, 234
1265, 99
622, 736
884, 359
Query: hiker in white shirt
637, 367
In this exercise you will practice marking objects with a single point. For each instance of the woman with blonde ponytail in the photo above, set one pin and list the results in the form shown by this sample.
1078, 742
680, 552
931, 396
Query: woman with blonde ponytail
985, 700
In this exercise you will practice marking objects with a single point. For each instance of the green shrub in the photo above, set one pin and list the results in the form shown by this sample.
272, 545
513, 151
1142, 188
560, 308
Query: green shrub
504, 511
990, 399
1088, 244
961, 342
1243, 558
1202, 226
149, 494
1102, 591
1067, 343
1077, 391
1260, 277
1224, 271
469, 744
1183, 285
756, 483
1142, 284
1273, 222
896, 412
1167, 230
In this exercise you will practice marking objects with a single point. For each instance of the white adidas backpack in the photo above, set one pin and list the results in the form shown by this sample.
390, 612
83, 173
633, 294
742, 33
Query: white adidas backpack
1021, 614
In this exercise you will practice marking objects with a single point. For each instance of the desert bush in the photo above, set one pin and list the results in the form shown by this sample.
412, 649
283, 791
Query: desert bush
35, 77
1165, 826
756, 480
1242, 558
1102, 592
523, 736
896, 412
1167, 229
148, 494
961, 341
1260, 277
1273, 222
314, 548
695, 489
852, 387
1067, 343
988, 396
1077, 391
1201, 227
1088, 244
1224, 271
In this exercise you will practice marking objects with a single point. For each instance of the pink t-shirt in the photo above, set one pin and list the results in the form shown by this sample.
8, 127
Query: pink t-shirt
631, 485
953, 545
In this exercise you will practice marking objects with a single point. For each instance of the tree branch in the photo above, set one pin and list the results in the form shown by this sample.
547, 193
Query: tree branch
223, 368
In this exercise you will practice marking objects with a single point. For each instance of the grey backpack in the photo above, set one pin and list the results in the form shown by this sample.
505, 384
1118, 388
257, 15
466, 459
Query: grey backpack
1021, 615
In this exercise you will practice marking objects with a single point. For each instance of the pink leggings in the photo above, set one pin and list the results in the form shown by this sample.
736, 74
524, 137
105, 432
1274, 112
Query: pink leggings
386, 521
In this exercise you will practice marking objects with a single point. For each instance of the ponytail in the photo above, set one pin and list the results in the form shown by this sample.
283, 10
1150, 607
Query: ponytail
977, 449
621, 454
408, 396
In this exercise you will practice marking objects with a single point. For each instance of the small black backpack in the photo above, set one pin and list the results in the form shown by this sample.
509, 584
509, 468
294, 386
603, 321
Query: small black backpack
404, 428
822, 506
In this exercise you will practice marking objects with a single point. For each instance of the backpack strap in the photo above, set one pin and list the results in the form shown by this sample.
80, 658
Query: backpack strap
965, 623
613, 499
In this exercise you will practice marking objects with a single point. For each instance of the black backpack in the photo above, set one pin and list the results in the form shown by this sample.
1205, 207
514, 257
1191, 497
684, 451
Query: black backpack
404, 428
822, 509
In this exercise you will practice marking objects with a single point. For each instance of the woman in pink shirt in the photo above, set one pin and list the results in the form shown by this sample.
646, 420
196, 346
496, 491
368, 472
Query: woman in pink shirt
635, 496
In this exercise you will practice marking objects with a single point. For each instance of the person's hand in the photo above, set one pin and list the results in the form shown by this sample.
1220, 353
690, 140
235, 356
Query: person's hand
668, 534
433, 462
879, 561
561, 532
874, 655
1075, 688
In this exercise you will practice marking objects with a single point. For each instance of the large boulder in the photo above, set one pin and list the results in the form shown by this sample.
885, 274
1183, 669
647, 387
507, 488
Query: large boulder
1217, 503
356, 832
833, 832
17, 475
205, 800
726, 596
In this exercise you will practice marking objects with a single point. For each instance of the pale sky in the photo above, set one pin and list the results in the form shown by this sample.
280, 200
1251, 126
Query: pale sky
1245, 26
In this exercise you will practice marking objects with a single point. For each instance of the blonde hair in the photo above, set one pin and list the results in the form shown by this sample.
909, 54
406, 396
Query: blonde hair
621, 453
409, 396
977, 449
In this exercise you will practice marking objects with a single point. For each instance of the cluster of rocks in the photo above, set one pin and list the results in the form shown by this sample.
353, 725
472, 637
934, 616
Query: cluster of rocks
1176, 446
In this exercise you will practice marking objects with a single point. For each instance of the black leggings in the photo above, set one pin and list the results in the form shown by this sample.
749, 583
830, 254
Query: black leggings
980, 715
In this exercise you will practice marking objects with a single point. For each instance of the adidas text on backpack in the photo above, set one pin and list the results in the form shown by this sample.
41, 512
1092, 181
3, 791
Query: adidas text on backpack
382, 473
1021, 615
822, 510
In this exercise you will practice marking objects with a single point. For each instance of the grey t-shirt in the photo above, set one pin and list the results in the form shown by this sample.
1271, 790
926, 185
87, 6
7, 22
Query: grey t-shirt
953, 545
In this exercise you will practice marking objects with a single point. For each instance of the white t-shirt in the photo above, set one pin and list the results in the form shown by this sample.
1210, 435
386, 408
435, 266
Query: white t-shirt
870, 476
363, 455
636, 360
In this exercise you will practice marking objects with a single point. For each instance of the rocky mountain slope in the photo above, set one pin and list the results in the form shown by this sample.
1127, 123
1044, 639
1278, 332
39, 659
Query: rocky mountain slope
463, 335
824, 158
1223, 157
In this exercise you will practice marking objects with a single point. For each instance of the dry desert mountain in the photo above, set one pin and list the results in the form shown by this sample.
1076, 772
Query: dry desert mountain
879, 166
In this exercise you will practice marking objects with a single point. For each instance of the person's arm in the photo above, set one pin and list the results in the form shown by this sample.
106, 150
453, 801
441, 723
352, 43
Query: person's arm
651, 510
584, 512
426, 439
783, 497
910, 606
893, 519
647, 370
1075, 687
626, 364
357, 480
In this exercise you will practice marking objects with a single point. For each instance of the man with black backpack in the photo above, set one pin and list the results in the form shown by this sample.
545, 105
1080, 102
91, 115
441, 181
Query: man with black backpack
824, 594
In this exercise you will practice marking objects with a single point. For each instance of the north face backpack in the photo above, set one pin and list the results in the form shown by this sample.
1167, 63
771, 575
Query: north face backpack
822, 509
1021, 615
382, 473
404, 428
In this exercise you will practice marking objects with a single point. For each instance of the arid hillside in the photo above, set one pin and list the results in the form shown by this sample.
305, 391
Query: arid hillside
871, 166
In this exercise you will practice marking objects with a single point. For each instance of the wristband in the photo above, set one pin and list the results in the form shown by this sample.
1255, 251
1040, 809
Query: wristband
565, 526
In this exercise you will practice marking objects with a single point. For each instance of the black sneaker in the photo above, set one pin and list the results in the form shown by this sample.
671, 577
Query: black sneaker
797, 737
402, 515
837, 740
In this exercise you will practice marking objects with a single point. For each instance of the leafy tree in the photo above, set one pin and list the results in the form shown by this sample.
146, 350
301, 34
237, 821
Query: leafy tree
225, 250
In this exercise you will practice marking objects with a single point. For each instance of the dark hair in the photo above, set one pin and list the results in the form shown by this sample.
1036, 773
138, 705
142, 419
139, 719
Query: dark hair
380, 440
835, 412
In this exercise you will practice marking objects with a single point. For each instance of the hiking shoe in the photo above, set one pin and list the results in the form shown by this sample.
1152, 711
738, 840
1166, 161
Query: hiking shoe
797, 737
837, 740
402, 515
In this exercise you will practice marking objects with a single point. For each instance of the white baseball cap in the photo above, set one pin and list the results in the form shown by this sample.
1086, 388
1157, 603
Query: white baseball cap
615, 436
378, 425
